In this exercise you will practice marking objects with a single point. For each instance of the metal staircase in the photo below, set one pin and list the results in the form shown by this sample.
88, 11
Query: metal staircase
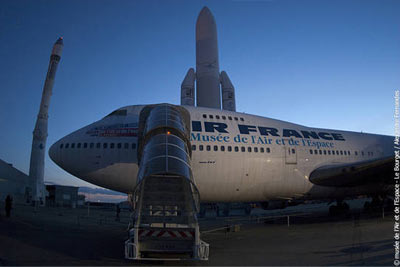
166, 200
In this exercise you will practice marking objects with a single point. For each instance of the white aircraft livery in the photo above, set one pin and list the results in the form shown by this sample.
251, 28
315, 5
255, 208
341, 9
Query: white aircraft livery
237, 157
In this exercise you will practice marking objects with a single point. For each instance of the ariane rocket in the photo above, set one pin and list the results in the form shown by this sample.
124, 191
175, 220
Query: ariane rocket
210, 83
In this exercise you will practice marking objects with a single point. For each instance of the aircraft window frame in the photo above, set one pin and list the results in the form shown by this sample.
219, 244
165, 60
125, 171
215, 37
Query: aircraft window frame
98, 145
256, 150
268, 150
78, 145
91, 145
208, 147
85, 145
348, 153
215, 148
204, 116
211, 116
119, 145
66, 145
324, 152
133, 145
241, 119
230, 118
356, 153
193, 147
243, 149
229, 148
105, 145
337, 152
61, 146
236, 149
217, 117
223, 117
249, 149
320, 152
316, 151
223, 148
293, 151
261, 150
236, 118
329, 152
201, 147
311, 151
345, 153
73, 145
112, 145
341, 152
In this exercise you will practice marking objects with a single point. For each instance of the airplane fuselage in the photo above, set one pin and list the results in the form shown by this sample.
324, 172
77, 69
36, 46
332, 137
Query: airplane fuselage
235, 156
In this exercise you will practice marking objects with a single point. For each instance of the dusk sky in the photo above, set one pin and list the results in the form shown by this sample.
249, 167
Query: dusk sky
328, 64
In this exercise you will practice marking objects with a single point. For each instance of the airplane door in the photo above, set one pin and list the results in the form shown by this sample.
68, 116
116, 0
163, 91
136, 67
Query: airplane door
290, 155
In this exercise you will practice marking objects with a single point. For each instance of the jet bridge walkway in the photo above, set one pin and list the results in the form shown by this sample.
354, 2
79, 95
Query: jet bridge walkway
165, 199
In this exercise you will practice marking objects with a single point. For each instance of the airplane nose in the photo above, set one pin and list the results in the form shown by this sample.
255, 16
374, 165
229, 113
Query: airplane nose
54, 153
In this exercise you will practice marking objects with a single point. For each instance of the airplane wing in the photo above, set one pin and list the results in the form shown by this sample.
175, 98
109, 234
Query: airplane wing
355, 174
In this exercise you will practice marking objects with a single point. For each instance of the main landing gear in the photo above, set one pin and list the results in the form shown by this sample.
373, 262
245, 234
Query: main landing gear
378, 203
340, 208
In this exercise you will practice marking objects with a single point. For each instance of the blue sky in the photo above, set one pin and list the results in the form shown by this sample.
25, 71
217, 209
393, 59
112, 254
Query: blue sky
328, 64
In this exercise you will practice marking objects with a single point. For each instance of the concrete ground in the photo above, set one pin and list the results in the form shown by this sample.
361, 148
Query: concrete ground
53, 236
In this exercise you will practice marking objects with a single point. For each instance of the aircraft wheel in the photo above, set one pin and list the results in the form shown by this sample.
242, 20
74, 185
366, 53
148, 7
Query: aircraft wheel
247, 209
345, 207
333, 210
367, 206
226, 209
202, 212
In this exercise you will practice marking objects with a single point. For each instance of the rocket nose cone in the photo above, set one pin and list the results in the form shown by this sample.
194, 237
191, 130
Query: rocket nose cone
205, 25
60, 41
205, 11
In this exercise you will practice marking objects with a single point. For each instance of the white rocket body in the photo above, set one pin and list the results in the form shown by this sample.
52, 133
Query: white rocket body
207, 63
36, 169
207, 76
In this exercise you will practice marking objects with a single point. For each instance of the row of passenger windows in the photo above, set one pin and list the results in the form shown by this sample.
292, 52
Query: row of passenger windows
222, 117
338, 152
268, 150
99, 145
230, 148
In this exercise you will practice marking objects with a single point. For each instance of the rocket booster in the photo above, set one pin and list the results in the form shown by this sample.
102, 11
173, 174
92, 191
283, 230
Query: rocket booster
187, 88
210, 84
36, 169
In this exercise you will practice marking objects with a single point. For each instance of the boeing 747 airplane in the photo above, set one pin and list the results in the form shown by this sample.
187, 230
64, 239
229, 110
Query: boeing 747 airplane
238, 157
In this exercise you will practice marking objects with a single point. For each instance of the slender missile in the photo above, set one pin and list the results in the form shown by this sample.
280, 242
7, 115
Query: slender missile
207, 64
36, 169
187, 88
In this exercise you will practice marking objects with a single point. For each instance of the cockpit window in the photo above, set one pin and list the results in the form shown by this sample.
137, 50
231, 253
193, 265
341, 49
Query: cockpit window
118, 112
